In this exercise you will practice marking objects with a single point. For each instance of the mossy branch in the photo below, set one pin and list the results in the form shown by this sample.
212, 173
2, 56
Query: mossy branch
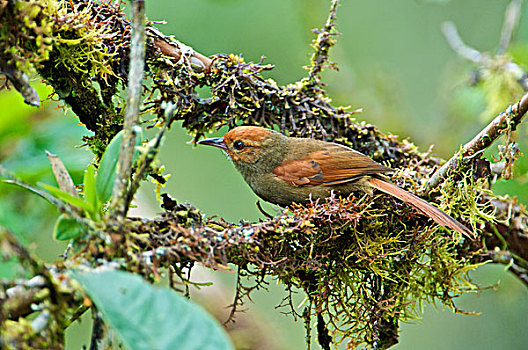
325, 40
19, 299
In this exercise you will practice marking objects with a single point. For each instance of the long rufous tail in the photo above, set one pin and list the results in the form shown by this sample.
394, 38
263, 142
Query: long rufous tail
428, 209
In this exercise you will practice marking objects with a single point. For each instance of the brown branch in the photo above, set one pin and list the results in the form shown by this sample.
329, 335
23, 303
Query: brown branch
11, 246
19, 298
507, 258
20, 81
508, 119
173, 48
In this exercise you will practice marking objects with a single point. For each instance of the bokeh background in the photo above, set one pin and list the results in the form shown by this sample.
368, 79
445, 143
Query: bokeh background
394, 63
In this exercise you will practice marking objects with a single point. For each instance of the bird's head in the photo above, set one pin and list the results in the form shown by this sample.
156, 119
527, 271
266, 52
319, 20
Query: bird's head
246, 144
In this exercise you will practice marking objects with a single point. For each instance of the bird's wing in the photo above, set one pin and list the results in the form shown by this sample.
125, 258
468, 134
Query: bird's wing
331, 165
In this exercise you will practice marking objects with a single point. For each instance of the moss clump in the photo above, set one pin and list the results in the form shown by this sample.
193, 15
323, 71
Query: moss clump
79, 47
26, 32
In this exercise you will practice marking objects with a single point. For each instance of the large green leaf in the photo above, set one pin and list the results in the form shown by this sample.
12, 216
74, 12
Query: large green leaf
106, 174
151, 318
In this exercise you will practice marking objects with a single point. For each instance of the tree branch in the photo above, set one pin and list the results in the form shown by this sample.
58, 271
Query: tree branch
511, 19
507, 120
453, 39
119, 205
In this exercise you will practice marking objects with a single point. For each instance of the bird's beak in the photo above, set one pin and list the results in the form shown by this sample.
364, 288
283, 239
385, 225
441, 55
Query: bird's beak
216, 141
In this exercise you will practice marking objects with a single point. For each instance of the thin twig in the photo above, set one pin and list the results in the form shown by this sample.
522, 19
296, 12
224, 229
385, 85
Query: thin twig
453, 39
12, 245
60, 205
135, 84
150, 154
511, 19
520, 272
308, 323
20, 81
322, 45
76, 315
269, 216
323, 336
508, 119
236, 300
98, 332
176, 49
56, 202
505, 257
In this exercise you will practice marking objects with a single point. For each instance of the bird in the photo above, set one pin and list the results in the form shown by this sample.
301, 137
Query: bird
283, 170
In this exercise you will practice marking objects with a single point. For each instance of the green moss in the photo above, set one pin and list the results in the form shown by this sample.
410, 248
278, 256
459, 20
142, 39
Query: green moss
26, 34
76, 51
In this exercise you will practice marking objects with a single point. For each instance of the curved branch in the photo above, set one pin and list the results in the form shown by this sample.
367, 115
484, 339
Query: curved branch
176, 49
453, 39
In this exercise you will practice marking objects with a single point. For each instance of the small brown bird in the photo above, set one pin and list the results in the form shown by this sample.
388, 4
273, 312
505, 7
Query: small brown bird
283, 170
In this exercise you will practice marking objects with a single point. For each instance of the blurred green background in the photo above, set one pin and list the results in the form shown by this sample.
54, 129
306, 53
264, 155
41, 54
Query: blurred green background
394, 63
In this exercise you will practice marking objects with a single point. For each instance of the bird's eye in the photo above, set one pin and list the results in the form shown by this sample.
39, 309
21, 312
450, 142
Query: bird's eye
238, 145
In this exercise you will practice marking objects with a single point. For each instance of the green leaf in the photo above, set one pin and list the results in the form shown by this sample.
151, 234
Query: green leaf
68, 198
67, 228
151, 318
35, 190
106, 174
90, 194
